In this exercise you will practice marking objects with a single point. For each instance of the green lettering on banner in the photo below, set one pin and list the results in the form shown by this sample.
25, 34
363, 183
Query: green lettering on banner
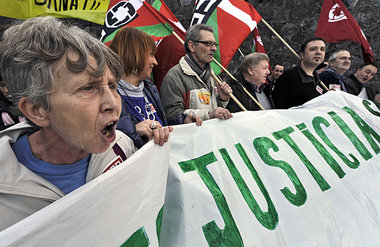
230, 235
159, 223
317, 121
322, 150
267, 219
262, 145
284, 134
138, 238
367, 104
351, 136
367, 131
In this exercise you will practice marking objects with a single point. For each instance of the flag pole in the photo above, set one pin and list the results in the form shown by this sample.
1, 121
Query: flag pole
290, 48
232, 77
241, 53
282, 40
253, 98
214, 76
230, 94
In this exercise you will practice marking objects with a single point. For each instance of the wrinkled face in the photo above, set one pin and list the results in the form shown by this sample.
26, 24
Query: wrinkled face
366, 73
314, 53
150, 62
84, 110
4, 91
342, 62
277, 71
259, 73
203, 53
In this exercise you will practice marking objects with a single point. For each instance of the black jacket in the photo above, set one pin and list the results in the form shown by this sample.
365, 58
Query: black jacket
353, 86
294, 87
243, 97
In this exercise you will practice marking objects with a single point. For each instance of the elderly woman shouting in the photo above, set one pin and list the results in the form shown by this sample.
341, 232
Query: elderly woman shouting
64, 82
142, 117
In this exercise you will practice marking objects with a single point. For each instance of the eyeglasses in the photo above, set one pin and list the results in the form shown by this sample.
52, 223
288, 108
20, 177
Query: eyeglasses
207, 43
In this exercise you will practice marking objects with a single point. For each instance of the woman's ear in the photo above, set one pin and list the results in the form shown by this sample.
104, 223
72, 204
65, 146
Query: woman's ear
34, 113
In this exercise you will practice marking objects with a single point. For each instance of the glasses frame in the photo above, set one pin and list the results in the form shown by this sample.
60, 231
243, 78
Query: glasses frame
207, 43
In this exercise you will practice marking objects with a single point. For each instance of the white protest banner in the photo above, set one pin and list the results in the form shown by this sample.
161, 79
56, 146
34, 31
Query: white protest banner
308, 176
122, 206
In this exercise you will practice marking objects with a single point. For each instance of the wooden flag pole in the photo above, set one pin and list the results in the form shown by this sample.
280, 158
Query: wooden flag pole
241, 53
216, 78
230, 94
282, 40
290, 48
224, 69
252, 98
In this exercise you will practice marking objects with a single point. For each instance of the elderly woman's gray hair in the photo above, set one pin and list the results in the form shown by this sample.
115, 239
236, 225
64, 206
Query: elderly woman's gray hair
193, 33
31, 50
252, 61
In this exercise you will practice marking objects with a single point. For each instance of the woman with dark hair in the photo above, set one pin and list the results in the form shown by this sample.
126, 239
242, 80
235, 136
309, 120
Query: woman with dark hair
142, 117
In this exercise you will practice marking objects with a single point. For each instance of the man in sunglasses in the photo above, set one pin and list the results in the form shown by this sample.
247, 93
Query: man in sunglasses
188, 91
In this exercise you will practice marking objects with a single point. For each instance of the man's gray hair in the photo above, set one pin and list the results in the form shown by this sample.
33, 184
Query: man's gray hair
194, 33
32, 50
252, 61
333, 57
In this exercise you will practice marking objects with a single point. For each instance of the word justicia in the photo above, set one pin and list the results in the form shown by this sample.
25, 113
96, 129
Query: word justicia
266, 147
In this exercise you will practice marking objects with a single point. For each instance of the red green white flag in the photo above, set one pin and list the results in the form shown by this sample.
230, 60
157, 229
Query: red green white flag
258, 45
169, 49
134, 13
164, 10
232, 20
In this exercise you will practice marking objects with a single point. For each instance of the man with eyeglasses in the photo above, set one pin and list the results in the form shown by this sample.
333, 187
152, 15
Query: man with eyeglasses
339, 63
188, 91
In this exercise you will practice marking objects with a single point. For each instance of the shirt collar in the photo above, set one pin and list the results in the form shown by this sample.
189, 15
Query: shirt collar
305, 78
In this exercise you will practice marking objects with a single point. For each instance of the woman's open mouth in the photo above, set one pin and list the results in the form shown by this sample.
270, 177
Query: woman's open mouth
109, 132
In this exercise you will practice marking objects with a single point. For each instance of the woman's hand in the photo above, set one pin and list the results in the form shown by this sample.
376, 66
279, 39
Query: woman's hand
154, 130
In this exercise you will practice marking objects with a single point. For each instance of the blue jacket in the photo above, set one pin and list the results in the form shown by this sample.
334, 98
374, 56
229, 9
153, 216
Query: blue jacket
127, 122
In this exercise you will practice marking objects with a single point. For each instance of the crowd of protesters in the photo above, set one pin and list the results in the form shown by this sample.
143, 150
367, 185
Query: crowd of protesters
70, 105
